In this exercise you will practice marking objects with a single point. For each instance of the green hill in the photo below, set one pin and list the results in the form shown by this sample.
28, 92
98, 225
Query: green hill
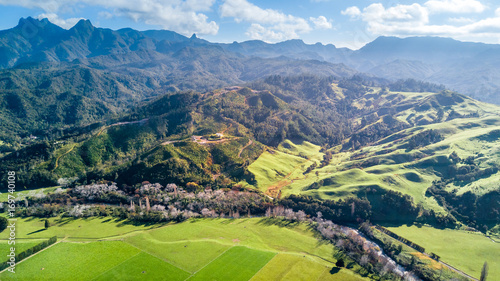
302, 135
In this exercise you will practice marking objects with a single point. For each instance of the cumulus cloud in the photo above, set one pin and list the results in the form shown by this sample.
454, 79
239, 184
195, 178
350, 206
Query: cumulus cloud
183, 16
55, 19
400, 18
455, 6
353, 12
267, 24
415, 20
258, 32
321, 22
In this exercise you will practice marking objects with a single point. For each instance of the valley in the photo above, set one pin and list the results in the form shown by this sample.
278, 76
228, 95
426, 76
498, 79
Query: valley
148, 155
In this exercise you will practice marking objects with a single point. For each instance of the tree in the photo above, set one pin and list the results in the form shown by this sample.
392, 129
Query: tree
484, 272
47, 224
340, 263
3, 223
400, 248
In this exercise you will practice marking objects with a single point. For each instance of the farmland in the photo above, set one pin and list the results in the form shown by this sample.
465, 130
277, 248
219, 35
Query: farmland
218, 249
466, 251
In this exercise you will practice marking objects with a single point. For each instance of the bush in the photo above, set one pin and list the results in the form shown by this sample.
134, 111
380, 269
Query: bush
3, 223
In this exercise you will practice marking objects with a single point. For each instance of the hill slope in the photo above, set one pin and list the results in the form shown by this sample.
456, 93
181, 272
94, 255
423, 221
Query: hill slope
311, 136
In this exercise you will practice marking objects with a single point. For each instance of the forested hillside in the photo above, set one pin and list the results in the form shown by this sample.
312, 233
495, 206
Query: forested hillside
304, 135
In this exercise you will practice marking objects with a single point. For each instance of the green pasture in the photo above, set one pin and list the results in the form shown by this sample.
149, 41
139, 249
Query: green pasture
236, 264
199, 249
466, 251
299, 267
144, 267
72, 261
73, 229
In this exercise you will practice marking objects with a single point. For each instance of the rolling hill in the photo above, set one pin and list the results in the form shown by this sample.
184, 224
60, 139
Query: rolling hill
301, 135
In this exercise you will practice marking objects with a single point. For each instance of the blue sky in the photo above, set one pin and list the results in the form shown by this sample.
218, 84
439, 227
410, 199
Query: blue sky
343, 23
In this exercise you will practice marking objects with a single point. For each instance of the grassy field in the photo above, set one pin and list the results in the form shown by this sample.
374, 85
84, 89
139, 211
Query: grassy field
299, 267
72, 261
189, 255
20, 195
272, 167
79, 229
255, 233
202, 249
464, 250
20, 245
236, 264
144, 267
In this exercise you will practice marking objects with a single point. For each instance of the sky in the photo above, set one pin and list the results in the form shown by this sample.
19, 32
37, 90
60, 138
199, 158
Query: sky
343, 23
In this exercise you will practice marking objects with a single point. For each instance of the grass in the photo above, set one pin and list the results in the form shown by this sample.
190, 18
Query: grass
20, 246
302, 149
144, 267
20, 195
466, 251
396, 168
236, 264
72, 261
270, 168
188, 255
76, 229
347, 175
258, 233
200, 249
299, 267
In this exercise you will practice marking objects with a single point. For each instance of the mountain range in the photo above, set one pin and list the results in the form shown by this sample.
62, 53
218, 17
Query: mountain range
470, 68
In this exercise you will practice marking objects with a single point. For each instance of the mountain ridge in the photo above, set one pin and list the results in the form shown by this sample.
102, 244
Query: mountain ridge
433, 59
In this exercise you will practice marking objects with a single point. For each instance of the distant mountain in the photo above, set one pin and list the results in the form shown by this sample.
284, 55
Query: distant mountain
470, 68
46, 70
296, 49
115, 70
425, 49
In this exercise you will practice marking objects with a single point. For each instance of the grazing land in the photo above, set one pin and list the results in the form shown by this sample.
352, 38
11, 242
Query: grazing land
299, 267
238, 264
466, 251
217, 249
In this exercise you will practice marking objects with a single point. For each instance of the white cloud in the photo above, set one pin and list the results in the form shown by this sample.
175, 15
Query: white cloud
266, 24
105, 15
461, 20
258, 32
49, 6
55, 19
183, 16
455, 6
414, 20
321, 22
353, 12
400, 18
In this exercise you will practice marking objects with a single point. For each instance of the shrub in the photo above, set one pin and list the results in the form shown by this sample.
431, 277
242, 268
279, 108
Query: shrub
3, 223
